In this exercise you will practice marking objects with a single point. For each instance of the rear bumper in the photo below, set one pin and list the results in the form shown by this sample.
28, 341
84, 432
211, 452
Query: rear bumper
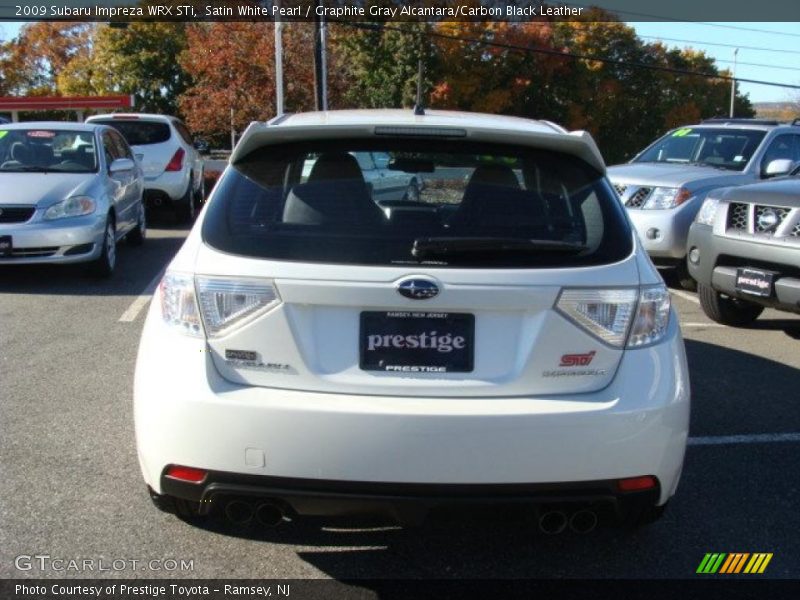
721, 256
186, 414
169, 186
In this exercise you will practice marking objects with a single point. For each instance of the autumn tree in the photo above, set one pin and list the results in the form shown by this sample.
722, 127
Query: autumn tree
139, 60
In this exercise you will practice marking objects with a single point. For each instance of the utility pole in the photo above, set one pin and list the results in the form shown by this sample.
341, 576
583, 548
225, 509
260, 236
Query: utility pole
320, 67
278, 63
733, 80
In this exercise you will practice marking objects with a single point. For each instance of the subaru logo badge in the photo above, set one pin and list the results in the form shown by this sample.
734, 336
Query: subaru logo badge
767, 220
418, 289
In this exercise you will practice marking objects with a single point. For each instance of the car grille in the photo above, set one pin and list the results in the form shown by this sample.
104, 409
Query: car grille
638, 197
781, 213
34, 252
737, 216
16, 214
620, 188
739, 219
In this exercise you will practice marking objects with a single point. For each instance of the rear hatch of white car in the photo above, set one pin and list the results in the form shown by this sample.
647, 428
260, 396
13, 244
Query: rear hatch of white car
513, 275
153, 143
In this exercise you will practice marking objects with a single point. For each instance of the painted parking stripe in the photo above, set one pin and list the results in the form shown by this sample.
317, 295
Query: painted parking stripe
702, 325
685, 296
141, 301
755, 438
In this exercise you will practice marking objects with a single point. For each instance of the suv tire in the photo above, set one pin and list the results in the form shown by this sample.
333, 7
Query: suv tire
726, 310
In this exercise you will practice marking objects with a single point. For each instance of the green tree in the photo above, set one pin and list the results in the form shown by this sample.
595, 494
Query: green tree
140, 60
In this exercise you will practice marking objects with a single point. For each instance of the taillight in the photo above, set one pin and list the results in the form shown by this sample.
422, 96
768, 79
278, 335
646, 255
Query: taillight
636, 316
178, 304
213, 305
637, 484
189, 474
176, 162
225, 303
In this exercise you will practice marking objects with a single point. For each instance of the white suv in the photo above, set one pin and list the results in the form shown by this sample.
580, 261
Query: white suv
507, 341
173, 169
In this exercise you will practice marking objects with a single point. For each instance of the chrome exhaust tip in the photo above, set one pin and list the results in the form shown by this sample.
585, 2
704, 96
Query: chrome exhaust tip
553, 522
583, 521
239, 512
269, 514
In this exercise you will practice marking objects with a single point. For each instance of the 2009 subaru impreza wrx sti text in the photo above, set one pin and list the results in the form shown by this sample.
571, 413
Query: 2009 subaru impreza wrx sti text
318, 348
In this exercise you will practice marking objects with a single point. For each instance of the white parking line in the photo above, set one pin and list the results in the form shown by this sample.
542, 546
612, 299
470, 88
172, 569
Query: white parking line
756, 438
141, 301
702, 325
685, 296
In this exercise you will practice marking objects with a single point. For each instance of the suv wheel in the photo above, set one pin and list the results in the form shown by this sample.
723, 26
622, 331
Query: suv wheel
185, 208
139, 233
727, 310
103, 265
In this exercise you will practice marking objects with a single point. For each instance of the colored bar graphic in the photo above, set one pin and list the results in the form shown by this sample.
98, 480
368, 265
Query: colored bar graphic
734, 563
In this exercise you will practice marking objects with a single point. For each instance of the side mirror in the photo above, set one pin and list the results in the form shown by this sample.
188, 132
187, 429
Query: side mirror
121, 164
201, 146
780, 166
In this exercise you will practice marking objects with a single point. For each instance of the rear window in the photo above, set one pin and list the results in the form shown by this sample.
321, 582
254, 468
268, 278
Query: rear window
139, 133
432, 202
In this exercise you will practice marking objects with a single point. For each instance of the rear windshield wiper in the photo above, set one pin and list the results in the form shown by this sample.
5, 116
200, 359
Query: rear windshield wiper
449, 246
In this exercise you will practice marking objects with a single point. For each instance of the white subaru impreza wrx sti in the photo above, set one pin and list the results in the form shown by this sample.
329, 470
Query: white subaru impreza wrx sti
501, 338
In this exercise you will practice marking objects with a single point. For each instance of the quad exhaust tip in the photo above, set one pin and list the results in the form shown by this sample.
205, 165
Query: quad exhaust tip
583, 521
239, 512
242, 512
269, 514
553, 522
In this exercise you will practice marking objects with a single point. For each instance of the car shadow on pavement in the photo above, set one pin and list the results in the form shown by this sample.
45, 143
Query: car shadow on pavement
135, 269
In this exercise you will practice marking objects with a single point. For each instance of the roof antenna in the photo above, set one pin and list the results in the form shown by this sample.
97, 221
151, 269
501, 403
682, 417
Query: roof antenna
419, 110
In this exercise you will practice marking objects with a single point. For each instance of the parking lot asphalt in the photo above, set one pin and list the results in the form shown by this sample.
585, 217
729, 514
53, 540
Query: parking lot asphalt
71, 487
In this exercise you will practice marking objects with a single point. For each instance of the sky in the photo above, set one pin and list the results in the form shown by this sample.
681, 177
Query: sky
777, 57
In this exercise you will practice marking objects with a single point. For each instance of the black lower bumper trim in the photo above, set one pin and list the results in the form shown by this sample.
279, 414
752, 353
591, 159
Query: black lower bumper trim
326, 498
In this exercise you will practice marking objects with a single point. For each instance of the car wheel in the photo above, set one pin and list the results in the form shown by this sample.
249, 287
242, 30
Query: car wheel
137, 236
103, 265
412, 192
200, 194
185, 208
685, 280
727, 310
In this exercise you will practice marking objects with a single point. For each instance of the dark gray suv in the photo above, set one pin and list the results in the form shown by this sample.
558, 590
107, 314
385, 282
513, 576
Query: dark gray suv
744, 250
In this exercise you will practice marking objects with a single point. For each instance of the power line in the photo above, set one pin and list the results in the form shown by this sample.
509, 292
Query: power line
656, 37
673, 19
749, 64
740, 28
549, 52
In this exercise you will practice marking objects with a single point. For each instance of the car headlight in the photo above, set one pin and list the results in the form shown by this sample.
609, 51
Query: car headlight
76, 206
664, 197
707, 212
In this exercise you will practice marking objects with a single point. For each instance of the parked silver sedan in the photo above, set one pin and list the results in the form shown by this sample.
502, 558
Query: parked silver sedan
68, 193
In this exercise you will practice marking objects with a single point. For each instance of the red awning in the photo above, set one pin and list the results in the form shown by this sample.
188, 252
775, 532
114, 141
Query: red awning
24, 103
